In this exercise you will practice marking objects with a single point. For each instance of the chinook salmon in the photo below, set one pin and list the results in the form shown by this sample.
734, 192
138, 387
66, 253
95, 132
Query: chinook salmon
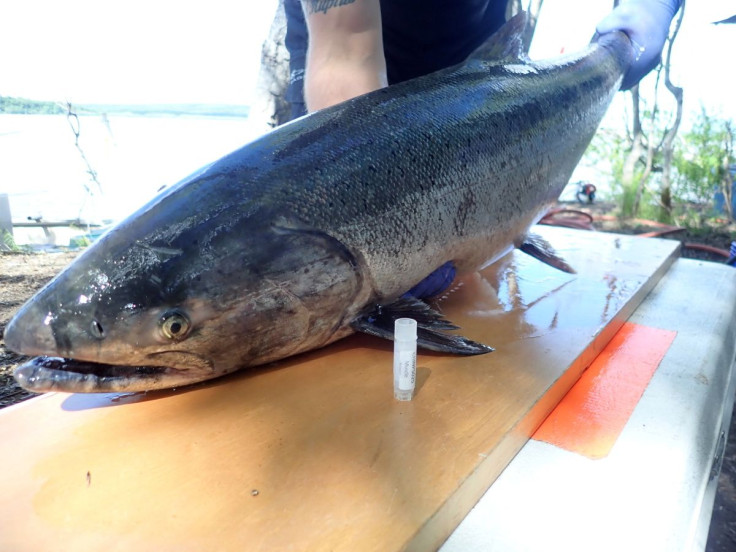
318, 228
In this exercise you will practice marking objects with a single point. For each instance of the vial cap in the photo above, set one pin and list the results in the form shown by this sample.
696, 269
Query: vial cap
405, 328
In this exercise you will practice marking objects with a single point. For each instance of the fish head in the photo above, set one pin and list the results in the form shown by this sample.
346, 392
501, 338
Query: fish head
152, 316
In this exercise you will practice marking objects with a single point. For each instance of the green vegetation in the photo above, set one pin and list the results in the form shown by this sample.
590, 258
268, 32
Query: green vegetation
703, 161
702, 157
7, 243
157, 110
22, 105
26, 106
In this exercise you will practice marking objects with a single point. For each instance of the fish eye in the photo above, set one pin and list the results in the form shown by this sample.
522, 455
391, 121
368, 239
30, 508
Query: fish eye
174, 325
96, 329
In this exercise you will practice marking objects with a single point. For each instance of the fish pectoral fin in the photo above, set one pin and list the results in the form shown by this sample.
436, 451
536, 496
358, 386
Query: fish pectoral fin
449, 343
539, 248
379, 322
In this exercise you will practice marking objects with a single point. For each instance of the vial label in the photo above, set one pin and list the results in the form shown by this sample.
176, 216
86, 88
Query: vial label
406, 369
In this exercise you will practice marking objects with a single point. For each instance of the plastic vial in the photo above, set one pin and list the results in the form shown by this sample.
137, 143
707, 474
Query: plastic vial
405, 358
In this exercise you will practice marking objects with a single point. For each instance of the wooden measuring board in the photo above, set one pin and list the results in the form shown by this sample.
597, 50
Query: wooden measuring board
313, 453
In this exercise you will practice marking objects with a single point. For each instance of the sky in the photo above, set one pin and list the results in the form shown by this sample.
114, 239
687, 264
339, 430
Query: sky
138, 51
159, 51
701, 56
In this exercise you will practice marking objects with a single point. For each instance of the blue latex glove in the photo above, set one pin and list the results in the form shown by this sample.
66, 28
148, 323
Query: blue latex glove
647, 23
435, 283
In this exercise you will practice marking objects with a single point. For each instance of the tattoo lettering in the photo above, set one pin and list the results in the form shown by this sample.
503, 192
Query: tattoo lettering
316, 6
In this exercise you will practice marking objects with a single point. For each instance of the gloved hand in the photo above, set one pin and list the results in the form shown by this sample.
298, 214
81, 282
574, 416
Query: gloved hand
647, 23
434, 284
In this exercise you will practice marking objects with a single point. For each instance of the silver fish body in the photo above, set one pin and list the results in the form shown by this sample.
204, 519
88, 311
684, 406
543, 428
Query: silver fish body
281, 246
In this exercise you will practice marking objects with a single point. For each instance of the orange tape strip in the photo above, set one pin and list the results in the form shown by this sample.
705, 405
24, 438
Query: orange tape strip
592, 415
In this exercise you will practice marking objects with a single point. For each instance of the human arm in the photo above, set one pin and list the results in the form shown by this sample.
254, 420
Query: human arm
345, 56
647, 24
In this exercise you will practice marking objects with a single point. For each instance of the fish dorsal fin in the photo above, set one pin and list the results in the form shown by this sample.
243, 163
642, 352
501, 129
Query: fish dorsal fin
506, 44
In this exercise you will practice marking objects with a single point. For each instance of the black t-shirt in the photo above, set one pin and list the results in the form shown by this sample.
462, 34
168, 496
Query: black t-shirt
423, 36
419, 37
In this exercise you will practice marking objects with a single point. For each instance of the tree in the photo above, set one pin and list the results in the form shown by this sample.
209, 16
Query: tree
650, 146
671, 133
532, 9
704, 161
25, 106
703, 167
270, 108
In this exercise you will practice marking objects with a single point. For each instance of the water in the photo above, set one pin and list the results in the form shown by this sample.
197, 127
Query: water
45, 175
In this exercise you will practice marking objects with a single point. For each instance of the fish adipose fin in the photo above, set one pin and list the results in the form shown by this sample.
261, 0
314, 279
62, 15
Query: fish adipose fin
539, 248
506, 45
430, 325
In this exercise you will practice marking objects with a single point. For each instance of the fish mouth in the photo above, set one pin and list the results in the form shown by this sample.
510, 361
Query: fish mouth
42, 374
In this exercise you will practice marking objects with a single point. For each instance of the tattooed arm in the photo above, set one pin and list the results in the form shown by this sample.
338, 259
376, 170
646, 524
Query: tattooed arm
345, 57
